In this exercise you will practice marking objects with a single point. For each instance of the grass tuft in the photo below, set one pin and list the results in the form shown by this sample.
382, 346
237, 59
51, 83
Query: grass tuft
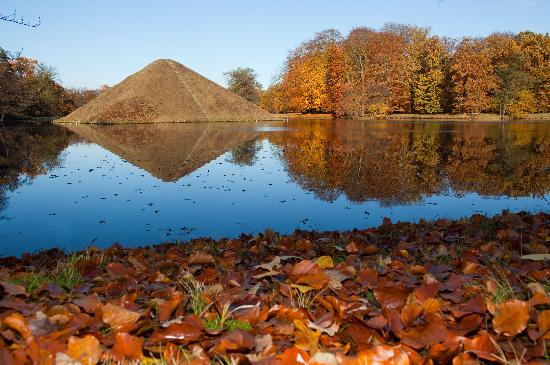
194, 289
66, 275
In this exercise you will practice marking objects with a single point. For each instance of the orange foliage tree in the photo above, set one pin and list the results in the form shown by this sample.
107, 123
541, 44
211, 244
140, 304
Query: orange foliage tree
474, 81
375, 73
305, 81
405, 69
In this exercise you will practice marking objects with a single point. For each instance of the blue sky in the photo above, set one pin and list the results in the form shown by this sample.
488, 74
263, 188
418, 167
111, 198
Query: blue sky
96, 42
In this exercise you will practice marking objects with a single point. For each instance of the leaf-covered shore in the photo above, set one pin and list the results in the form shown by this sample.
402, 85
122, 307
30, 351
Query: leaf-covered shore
445, 292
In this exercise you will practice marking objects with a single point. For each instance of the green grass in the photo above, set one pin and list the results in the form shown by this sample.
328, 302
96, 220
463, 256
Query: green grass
443, 259
230, 324
339, 258
504, 290
370, 296
32, 281
194, 289
234, 324
66, 275
222, 321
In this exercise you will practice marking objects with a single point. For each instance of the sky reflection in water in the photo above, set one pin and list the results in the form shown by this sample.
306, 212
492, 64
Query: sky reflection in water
144, 184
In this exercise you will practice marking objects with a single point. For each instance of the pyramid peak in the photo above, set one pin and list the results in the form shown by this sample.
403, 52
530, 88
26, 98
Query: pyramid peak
167, 91
163, 61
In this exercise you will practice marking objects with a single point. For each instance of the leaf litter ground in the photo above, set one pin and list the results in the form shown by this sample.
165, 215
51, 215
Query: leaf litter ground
472, 291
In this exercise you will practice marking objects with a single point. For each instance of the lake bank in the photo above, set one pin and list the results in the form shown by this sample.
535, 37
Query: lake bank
445, 290
479, 117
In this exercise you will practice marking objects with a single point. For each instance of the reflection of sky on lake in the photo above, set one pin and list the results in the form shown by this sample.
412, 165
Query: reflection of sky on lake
97, 197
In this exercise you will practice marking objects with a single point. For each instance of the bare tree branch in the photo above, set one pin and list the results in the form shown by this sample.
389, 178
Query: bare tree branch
12, 18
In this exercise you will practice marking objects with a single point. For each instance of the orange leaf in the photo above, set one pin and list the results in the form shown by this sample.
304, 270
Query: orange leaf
237, 340
544, 325
128, 346
309, 273
511, 317
89, 303
434, 331
410, 313
377, 355
17, 322
189, 330
429, 288
86, 349
482, 345
293, 356
464, 359
201, 258
391, 297
118, 317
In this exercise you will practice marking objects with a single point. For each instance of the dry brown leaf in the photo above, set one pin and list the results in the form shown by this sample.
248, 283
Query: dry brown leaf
511, 317
128, 346
118, 317
309, 273
87, 349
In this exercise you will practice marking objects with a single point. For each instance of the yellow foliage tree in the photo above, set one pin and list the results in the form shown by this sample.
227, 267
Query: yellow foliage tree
524, 103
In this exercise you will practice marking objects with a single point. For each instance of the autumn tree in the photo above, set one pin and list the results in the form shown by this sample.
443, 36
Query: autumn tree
309, 70
335, 78
243, 82
272, 99
513, 95
375, 73
473, 78
15, 84
428, 88
75, 98
406, 69
535, 48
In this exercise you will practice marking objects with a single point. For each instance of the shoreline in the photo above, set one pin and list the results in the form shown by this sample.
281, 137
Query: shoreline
481, 117
402, 293
282, 117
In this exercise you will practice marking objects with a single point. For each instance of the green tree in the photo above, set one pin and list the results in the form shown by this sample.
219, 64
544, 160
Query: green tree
50, 95
513, 82
243, 82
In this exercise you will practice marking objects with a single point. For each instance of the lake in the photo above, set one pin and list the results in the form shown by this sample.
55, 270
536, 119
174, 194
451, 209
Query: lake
78, 185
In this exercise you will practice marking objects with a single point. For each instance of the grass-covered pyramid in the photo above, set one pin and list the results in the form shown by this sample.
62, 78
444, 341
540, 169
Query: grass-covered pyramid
166, 91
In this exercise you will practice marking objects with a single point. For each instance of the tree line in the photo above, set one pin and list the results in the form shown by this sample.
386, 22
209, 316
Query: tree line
30, 89
406, 69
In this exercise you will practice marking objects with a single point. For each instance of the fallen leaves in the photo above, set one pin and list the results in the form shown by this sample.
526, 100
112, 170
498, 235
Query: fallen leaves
382, 355
17, 322
511, 317
128, 346
391, 297
305, 338
187, 330
307, 298
117, 317
309, 273
87, 349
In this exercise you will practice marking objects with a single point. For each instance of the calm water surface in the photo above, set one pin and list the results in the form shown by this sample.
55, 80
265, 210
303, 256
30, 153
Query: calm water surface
79, 185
